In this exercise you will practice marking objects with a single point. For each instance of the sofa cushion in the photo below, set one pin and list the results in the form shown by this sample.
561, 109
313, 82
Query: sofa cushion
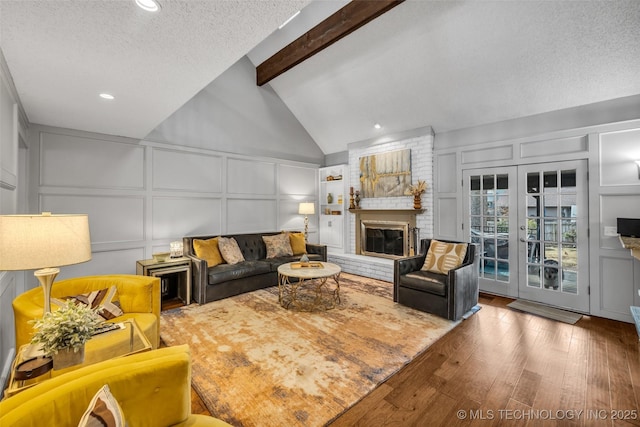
230, 250
208, 250
298, 243
252, 246
278, 245
225, 272
442, 257
425, 281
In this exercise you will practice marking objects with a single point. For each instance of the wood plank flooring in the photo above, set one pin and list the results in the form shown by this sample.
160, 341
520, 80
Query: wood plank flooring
502, 367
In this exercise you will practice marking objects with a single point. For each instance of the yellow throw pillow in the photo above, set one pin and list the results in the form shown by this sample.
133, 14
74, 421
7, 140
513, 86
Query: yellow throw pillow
277, 245
208, 251
442, 257
298, 244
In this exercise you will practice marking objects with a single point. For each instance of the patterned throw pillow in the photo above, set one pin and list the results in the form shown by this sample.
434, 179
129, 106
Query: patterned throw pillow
278, 245
230, 250
298, 244
208, 251
103, 411
442, 257
105, 302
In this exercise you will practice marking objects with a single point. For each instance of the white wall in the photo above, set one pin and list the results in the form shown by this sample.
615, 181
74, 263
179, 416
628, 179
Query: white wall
141, 195
234, 115
12, 190
613, 186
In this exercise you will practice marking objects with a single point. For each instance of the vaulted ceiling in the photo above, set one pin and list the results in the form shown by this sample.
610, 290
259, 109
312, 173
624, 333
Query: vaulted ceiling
448, 64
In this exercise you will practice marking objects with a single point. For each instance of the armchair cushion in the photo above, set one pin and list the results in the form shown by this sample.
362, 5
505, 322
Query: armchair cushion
443, 256
426, 282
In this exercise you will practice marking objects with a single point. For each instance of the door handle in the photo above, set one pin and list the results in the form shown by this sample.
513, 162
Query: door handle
522, 239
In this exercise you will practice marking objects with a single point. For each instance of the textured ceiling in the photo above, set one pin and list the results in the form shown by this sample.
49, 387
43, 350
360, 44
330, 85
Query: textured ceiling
453, 65
448, 64
63, 53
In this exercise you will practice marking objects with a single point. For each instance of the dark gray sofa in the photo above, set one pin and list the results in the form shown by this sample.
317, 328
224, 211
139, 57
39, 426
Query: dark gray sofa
256, 272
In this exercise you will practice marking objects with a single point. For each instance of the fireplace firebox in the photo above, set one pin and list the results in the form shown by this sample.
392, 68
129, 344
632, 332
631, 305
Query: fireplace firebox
385, 238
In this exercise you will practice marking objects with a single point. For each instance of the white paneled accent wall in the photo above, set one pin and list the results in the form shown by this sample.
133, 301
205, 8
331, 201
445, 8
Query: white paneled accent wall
142, 195
613, 187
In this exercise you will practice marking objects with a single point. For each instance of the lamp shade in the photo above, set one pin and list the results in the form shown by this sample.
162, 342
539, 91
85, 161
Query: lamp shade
306, 208
29, 242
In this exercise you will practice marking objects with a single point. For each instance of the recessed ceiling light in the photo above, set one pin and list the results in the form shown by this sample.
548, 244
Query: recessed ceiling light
148, 5
106, 96
288, 20
377, 126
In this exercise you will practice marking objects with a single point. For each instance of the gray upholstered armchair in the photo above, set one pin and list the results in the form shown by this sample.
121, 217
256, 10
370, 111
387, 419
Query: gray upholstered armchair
449, 296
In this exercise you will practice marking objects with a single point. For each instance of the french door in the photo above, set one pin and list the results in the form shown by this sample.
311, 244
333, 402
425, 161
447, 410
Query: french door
491, 204
530, 223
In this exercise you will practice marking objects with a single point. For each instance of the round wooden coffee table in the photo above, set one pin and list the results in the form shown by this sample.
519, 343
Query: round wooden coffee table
306, 288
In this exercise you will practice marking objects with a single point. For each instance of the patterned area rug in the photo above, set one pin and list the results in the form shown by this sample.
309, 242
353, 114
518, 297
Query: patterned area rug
258, 364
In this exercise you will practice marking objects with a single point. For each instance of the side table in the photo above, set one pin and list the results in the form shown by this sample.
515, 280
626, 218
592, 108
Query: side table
175, 276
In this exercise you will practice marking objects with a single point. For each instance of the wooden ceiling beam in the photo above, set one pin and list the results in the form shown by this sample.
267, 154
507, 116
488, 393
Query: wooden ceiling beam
342, 23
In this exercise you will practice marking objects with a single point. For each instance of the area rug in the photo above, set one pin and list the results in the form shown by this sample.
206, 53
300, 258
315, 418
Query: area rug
545, 311
255, 363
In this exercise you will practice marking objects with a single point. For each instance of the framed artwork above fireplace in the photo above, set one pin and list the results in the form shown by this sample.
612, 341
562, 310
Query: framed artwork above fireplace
385, 174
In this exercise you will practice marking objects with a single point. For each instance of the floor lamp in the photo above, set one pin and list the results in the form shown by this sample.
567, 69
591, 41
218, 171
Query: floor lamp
306, 209
44, 242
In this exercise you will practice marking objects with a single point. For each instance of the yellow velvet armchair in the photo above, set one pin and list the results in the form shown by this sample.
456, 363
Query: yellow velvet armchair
152, 388
139, 298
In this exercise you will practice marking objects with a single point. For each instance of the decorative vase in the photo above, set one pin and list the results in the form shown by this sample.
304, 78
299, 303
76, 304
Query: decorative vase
329, 198
357, 199
66, 357
417, 202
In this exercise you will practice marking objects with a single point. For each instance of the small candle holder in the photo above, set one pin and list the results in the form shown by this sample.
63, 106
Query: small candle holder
351, 203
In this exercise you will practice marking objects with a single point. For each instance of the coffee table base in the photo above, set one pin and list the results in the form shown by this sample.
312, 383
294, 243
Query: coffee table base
308, 294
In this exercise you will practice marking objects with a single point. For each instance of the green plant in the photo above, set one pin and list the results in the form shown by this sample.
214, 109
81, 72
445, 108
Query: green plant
70, 326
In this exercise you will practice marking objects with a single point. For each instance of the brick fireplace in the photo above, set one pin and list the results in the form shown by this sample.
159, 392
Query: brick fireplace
420, 142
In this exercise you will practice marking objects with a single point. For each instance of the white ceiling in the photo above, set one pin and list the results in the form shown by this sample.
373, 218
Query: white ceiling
63, 53
448, 64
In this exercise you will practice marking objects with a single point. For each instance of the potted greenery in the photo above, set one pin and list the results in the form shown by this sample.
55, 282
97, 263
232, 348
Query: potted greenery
62, 333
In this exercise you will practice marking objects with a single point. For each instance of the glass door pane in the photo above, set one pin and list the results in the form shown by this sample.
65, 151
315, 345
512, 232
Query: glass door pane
492, 226
553, 223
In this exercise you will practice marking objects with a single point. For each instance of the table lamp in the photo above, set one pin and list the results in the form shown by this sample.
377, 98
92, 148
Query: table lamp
306, 209
43, 242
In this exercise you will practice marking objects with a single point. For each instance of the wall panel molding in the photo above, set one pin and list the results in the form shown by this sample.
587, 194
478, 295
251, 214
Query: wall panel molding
88, 162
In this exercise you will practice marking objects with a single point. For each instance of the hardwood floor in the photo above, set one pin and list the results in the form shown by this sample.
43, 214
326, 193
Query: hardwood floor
503, 367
